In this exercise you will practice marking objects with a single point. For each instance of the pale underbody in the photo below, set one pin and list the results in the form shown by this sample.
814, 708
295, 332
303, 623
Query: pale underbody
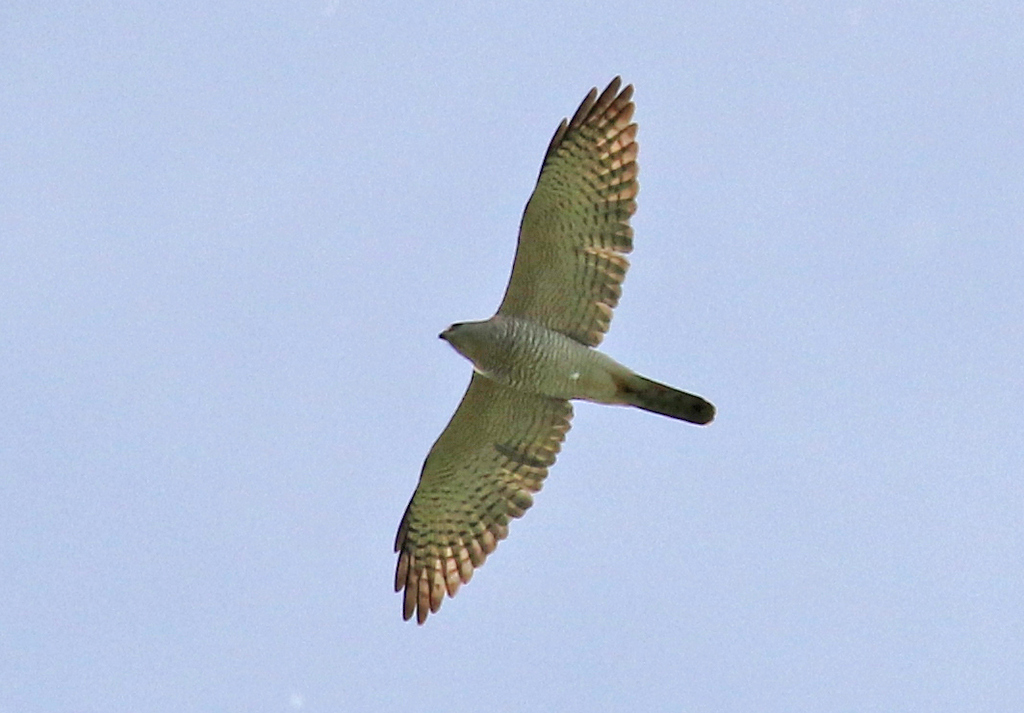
528, 356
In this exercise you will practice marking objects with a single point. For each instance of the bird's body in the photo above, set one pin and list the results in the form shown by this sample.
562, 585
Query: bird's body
527, 356
535, 356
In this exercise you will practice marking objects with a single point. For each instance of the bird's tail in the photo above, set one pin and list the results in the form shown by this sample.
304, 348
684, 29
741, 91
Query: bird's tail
648, 395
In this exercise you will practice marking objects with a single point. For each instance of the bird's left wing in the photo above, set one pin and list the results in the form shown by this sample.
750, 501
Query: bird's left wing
481, 472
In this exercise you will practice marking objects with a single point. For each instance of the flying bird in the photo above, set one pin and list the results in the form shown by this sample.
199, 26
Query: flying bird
534, 356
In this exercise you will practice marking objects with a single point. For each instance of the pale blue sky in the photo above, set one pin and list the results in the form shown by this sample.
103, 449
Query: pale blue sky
230, 233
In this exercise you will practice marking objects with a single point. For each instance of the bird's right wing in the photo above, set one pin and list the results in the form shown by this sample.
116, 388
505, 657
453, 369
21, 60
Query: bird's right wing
575, 233
481, 472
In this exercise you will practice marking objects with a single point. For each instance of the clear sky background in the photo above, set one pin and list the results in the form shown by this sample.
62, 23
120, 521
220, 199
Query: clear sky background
230, 234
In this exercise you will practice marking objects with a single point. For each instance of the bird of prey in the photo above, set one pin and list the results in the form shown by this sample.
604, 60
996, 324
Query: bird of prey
534, 356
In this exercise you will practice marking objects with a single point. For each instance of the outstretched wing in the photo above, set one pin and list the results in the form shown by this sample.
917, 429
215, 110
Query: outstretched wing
575, 231
481, 472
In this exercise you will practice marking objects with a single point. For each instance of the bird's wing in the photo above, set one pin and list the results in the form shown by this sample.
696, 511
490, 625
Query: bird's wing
493, 454
570, 261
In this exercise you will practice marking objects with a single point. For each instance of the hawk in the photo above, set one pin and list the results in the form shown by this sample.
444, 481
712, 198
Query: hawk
534, 356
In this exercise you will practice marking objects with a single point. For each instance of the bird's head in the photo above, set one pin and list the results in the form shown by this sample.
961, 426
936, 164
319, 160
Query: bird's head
450, 333
470, 339
461, 336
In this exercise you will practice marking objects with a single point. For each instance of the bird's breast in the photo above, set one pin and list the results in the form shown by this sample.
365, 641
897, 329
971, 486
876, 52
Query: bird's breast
531, 357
